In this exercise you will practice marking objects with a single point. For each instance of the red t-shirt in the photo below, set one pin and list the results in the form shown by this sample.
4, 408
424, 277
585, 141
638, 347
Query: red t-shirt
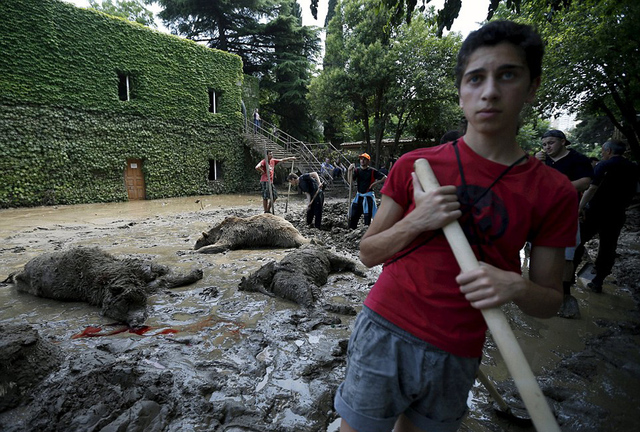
418, 292
272, 163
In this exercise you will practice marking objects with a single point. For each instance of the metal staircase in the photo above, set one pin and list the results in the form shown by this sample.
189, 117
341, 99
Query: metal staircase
268, 137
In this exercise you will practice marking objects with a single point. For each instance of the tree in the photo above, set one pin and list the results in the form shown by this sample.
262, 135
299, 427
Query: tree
423, 98
289, 70
229, 25
358, 66
592, 60
273, 44
402, 10
384, 77
132, 10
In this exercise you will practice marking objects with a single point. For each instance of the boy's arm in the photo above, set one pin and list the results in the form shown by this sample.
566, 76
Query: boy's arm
539, 296
260, 167
390, 232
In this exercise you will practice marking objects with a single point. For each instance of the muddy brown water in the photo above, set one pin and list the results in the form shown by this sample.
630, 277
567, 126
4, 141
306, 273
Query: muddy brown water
221, 324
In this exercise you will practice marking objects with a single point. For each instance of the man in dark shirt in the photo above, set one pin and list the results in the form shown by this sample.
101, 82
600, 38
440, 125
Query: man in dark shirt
365, 201
603, 207
312, 186
577, 167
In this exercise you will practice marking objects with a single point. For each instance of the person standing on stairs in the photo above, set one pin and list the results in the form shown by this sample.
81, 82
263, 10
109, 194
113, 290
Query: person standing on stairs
266, 179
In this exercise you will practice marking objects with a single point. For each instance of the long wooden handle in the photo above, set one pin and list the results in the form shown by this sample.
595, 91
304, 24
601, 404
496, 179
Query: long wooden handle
516, 362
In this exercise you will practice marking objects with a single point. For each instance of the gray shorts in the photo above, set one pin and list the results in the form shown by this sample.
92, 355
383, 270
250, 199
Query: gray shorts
391, 372
265, 191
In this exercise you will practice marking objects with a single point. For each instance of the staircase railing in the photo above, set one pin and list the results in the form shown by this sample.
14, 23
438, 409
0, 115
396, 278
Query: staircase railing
306, 158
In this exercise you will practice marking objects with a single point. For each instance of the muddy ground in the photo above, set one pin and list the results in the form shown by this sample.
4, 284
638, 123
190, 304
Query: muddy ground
216, 358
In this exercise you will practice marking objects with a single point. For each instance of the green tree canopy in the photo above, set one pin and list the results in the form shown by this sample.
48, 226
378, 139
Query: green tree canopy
592, 60
132, 10
270, 39
384, 78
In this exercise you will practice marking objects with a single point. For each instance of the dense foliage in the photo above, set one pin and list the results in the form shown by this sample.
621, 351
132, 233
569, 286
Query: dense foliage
65, 131
132, 10
272, 42
592, 61
386, 81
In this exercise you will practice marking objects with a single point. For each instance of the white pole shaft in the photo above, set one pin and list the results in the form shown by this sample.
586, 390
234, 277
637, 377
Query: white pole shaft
516, 362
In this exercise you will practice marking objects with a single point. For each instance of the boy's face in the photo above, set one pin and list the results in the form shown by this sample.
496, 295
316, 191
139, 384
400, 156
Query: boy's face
495, 85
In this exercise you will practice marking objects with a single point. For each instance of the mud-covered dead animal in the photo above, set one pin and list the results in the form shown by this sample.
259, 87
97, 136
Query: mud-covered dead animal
299, 275
119, 286
259, 231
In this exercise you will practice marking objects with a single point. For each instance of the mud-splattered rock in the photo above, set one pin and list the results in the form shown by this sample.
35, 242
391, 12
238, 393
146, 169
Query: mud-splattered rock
25, 360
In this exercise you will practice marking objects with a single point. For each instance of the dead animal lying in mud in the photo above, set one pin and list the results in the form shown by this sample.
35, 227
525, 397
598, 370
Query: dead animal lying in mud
119, 286
259, 231
299, 275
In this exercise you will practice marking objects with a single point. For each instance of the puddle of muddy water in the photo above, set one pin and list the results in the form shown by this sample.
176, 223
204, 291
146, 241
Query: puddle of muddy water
212, 317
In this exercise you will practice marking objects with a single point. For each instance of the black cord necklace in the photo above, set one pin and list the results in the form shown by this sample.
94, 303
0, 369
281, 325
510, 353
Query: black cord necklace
466, 209
465, 192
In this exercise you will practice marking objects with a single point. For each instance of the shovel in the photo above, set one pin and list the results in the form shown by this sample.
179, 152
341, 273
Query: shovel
516, 362
514, 415
587, 271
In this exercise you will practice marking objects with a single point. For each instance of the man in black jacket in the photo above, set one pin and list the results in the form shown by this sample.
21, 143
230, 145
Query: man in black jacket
603, 207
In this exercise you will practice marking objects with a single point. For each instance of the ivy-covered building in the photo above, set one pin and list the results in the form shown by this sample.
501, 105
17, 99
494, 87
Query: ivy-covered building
96, 109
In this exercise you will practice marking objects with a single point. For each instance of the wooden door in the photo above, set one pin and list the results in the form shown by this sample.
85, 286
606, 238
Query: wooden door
134, 179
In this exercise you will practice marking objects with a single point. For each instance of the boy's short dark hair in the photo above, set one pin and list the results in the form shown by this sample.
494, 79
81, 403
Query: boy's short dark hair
495, 32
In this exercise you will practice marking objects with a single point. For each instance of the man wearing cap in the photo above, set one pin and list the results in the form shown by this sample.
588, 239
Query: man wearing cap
365, 201
577, 167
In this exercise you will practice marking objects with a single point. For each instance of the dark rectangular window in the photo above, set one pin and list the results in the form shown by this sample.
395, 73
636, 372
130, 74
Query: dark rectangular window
124, 86
214, 100
216, 171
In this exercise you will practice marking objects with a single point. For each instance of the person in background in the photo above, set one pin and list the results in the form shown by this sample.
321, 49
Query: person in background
577, 167
365, 200
603, 208
266, 180
256, 120
416, 346
326, 169
312, 187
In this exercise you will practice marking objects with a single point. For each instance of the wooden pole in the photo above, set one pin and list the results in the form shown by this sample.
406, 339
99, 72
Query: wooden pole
269, 183
286, 204
516, 362
350, 190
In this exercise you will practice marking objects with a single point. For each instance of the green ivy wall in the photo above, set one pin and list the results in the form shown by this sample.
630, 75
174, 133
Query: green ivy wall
64, 133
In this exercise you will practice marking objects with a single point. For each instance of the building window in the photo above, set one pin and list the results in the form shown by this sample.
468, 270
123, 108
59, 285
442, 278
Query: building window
216, 171
214, 99
124, 86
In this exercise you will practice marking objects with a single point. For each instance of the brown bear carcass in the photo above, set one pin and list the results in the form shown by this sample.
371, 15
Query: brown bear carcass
259, 231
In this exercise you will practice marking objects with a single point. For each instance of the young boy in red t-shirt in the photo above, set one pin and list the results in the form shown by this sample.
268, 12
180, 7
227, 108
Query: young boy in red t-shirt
416, 346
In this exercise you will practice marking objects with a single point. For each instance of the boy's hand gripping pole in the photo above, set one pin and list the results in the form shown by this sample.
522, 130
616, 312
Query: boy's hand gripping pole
525, 381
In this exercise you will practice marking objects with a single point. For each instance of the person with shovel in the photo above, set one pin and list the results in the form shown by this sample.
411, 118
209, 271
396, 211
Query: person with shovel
416, 346
266, 180
311, 185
